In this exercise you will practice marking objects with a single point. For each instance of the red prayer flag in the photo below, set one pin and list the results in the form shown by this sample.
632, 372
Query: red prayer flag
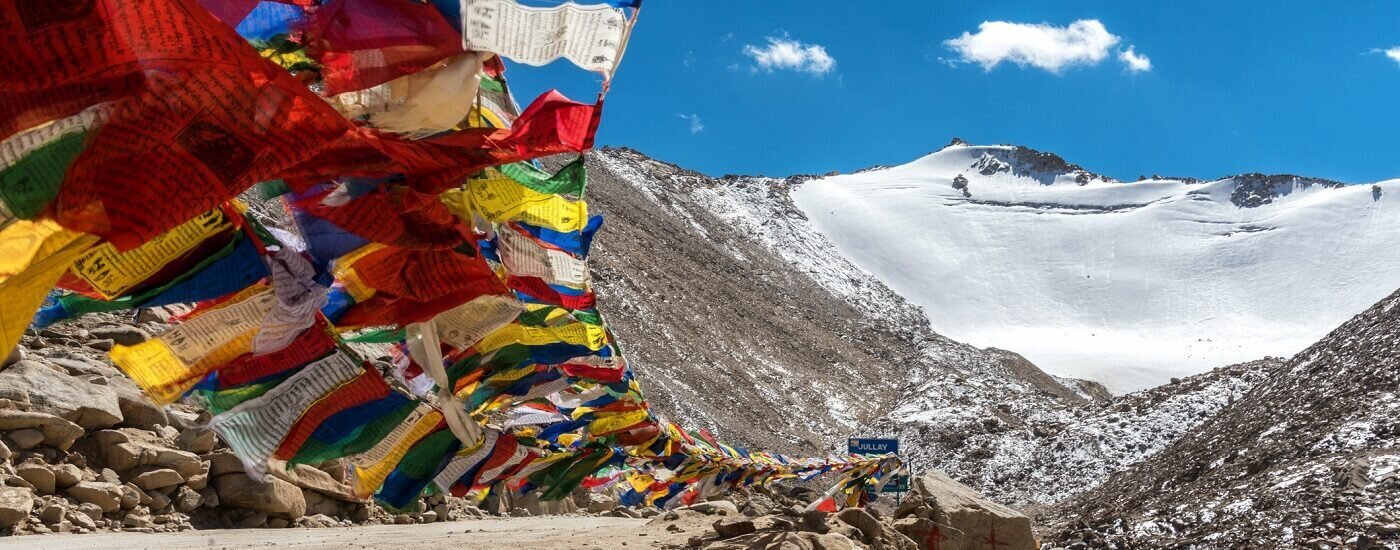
366, 387
364, 43
415, 285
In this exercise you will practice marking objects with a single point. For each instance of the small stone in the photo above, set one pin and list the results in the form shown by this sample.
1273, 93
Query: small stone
104, 344
80, 520
137, 520
28, 438
360, 515
403, 519
429, 517
108, 476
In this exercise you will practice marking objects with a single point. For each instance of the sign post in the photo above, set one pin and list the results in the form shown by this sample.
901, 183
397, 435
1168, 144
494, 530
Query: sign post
864, 446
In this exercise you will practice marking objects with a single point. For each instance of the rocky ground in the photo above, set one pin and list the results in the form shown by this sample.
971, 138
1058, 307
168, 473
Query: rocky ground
83, 450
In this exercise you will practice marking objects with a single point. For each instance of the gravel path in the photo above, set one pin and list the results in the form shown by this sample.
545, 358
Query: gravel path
557, 532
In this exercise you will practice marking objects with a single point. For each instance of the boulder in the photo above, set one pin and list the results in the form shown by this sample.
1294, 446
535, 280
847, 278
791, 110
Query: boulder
275, 497
92, 511
156, 479
713, 507
772, 540
319, 504
929, 534
125, 335
831, 541
306, 476
57, 432
38, 475
106, 496
132, 497
82, 402
5, 452
80, 519
127, 449
187, 500
15, 505
52, 513
68, 475
733, 527
223, 462
197, 440
863, 522
937, 497
138, 411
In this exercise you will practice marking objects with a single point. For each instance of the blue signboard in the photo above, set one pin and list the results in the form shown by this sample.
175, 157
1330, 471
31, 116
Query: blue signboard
862, 446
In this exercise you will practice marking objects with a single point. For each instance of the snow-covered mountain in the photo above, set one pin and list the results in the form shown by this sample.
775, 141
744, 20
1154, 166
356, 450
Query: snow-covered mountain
1128, 284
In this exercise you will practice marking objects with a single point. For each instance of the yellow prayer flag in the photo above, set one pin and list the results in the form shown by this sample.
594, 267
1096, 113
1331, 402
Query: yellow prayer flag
33, 256
166, 366
576, 333
112, 273
501, 199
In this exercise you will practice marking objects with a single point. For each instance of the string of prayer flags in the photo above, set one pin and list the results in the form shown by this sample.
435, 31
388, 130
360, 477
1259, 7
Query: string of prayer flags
386, 130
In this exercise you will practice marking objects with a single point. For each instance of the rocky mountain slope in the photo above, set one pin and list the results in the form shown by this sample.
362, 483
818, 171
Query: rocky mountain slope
1129, 284
741, 317
1310, 458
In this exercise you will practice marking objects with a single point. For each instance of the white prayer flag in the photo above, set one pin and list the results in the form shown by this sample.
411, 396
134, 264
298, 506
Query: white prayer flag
591, 36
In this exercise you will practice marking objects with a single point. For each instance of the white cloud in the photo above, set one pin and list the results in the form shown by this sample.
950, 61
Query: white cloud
1393, 53
1083, 42
1134, 61
788, 54
696, 125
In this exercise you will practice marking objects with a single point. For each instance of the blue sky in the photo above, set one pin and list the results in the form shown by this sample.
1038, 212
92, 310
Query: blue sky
1240, 86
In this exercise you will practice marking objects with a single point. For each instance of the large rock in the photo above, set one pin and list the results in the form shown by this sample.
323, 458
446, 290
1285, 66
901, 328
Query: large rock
935, 496
863, 522
927, 533
138, 411
57, 432
15, 505
127, 449
106, 496
275, 497
38, 475
84, 403
309, 477
157, 479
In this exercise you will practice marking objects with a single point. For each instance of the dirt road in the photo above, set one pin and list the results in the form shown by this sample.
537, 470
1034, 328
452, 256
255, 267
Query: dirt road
544, 533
